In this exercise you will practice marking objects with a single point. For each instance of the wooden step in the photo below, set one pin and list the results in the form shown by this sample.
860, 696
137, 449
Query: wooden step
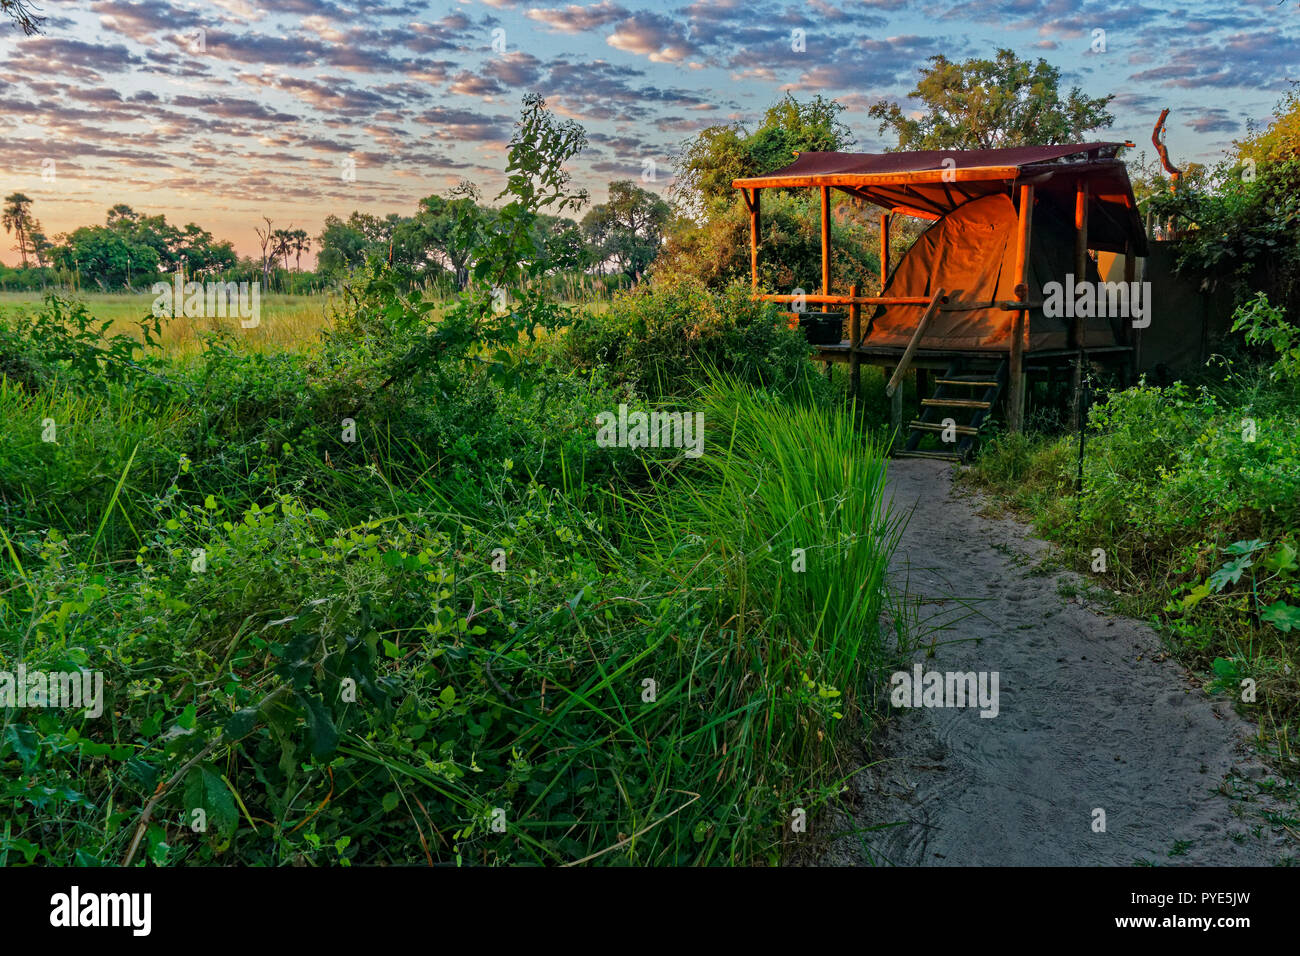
936, 455
939, 426
975, 382
955, 403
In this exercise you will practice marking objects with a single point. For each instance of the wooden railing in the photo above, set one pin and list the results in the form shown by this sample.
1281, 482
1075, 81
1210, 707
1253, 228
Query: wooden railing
906, 361
945, 304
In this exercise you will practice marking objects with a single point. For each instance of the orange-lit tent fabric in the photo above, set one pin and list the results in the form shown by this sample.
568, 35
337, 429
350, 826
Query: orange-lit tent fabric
971, 254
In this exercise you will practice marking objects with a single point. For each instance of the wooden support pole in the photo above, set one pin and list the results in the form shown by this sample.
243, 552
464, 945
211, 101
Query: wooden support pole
817, 298
1130, 275
884, 250
1016, 398
754, 224
826, 243
1080, 255
1078, 326
855, 334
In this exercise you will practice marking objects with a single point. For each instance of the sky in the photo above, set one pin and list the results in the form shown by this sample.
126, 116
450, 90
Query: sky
225, 111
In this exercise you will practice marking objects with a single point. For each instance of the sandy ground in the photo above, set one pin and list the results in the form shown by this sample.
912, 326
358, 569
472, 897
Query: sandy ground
1092, 715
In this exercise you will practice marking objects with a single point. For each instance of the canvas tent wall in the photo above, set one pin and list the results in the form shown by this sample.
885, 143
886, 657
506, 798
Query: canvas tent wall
1188, 322
932, 183
970, 252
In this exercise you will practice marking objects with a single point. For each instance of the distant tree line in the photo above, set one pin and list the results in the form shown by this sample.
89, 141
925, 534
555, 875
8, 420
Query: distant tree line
130, 250
620, 236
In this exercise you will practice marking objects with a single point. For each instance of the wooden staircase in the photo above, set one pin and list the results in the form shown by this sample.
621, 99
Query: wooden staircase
967, 393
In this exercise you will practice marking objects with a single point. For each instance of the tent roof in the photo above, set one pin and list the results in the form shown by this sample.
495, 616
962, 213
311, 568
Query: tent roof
931, 183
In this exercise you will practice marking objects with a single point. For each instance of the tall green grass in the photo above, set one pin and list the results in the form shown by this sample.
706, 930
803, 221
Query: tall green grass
649, 679
785, 517
63, 453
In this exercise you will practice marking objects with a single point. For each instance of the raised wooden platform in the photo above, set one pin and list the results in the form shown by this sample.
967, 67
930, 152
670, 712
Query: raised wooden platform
939, 358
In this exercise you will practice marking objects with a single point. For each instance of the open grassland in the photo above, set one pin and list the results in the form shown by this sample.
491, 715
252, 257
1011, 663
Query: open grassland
286, 320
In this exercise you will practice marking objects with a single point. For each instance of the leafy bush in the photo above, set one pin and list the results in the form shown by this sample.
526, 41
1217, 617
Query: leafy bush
388, 601
1241, 223
661, 338
64, 341
293, 685
1264, 324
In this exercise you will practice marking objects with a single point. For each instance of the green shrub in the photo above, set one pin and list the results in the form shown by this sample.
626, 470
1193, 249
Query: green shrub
663, 337
63, 454
63, 341
498, 649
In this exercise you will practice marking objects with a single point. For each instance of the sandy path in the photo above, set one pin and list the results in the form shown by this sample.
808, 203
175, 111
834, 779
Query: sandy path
1091, 716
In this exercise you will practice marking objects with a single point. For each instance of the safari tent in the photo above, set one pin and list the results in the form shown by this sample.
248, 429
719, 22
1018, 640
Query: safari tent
967, 297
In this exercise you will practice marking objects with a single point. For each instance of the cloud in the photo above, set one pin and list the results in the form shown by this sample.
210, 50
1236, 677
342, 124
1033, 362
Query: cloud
1214, 120
143, 20
515, 69
450, 123
579, 19
466, 83
652, 35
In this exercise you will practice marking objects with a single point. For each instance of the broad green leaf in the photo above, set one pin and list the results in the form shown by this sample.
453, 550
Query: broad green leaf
1283, 560
322, 736
1246, 547
1282, 616
1230, 573
241, 724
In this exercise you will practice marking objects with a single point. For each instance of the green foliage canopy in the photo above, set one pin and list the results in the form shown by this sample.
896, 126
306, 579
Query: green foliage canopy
985, 104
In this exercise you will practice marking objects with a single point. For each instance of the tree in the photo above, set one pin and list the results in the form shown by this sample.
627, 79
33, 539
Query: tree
710, 238
17, 218
121, 216
503, 300
300, 242
717, 252
983, 104
449, 227
342, 247
23, 15
1240, 225
41, 246
1280, 140
346, 244
708, 163
193, 249
628, 229
111, 258
264, 237
282, 245
566, 246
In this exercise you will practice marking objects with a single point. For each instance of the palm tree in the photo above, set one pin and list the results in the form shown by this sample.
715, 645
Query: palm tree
41, 245
17, 217
301, 243
282, 245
